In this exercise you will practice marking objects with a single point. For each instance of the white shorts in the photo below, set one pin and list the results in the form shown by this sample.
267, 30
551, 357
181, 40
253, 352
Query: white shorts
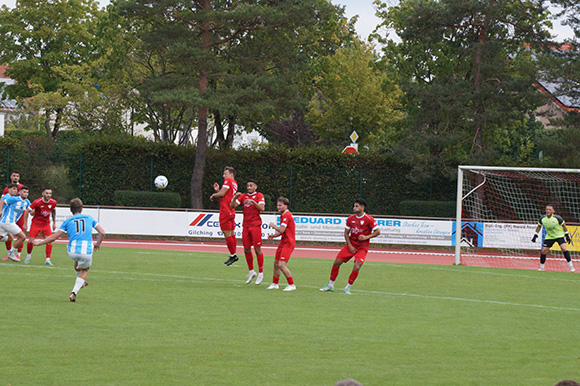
84, 261
10, 228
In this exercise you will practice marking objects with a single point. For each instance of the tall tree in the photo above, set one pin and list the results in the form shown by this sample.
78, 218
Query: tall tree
466, 69
352, 93
248, 48
41, 41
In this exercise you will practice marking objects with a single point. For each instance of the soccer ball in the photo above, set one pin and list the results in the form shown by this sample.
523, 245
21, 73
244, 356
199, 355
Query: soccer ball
161, 182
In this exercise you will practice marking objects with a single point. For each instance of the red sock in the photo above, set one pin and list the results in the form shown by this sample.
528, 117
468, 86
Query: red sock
290, 280
275, 280
352, 277
8, 245
29, 247
20, 247
334, 272
260, 258
231, 243
48, 250
250, 261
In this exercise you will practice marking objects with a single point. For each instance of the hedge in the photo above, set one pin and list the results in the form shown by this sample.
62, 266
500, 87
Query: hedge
147, 199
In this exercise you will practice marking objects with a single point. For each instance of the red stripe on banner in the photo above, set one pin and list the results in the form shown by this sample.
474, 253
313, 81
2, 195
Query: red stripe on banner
198, 219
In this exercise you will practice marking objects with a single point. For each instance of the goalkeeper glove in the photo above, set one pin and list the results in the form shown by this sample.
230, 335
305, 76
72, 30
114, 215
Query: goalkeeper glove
568, 239
534, 238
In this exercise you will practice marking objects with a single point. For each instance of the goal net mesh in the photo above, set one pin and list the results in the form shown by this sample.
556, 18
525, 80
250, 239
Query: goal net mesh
500, 212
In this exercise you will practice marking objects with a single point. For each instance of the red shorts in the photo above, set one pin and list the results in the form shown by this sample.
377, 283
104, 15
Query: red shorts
252, 237
20, 222
283, 252
345, 254
36, 229
227, 221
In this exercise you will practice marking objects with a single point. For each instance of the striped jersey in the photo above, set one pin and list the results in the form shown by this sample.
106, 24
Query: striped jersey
14, 207
80, 233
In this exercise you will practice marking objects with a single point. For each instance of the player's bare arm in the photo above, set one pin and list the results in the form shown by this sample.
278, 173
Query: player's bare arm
368, 237
25, 221
220, 193
49, 239
54, 219
100, 237
261, 207
347, 238
279, 230
234, 203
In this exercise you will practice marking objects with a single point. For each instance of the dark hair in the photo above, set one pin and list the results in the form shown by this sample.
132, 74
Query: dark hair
46, 189
567, 382
15, 172
230, 169
23, 187
76, 205
252, 181
12, 185
361, 201
283, 200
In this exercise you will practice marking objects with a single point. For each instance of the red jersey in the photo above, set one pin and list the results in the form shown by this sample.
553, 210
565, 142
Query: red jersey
251, 213
226, 200
289, 235
364, 225
42, 211
6, 189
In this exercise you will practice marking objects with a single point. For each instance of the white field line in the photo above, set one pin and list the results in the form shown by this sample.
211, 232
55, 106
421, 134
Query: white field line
189, 279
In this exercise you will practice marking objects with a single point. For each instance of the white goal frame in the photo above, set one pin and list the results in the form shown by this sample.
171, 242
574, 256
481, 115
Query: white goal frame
460, 196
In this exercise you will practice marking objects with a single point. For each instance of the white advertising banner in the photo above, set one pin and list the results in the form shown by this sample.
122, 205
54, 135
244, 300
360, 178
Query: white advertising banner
205, 224
510, 236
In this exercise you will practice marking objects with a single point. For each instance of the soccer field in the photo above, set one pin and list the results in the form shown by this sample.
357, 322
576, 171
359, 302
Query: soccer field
183, 318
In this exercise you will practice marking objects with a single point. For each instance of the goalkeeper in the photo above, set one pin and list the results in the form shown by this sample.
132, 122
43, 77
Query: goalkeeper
556, 232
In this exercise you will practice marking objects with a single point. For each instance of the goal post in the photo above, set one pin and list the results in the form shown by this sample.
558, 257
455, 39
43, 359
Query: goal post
498, 209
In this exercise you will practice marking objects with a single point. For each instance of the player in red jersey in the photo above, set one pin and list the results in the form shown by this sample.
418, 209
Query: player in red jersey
41, 210
227, 213
287, 230
254, 204
360, 228
15, 179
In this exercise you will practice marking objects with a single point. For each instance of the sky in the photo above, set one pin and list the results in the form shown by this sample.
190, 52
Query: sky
367, 20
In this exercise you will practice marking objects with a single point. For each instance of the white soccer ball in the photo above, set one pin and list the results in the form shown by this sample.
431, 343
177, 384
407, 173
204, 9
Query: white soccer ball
161, 182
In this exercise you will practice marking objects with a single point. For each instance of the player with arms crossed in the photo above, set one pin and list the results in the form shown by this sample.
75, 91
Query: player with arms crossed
254, 204
80, 242
14, 205
227, 213
41, 209
360, 228
287, 230
556, 232
14, 179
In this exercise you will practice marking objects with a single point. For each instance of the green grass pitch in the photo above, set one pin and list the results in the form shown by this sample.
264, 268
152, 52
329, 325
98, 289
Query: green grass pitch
180, 318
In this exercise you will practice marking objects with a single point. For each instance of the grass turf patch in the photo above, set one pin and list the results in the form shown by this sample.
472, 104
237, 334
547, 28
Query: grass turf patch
159, 317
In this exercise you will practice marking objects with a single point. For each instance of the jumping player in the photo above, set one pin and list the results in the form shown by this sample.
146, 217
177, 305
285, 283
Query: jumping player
360, 228
41, 209
287, 230
556, 232
80, 242
252, 228
14, 205
227, 213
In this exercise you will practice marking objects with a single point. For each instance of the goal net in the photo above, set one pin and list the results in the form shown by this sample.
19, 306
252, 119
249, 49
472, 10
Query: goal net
498, 209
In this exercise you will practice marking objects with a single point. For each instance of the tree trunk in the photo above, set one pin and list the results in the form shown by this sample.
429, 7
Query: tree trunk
196, 185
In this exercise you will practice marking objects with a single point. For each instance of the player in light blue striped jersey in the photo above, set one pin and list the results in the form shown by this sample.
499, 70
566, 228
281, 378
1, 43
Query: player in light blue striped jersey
13, 207
80, 245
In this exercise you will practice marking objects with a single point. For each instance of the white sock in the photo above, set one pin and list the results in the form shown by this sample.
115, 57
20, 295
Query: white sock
28, 256
12, 250
252, 272
331, 283
542, 266
348, 286
78, 284
570, 264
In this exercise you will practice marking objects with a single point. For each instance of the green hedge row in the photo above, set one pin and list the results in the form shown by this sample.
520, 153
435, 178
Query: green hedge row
317, 179
147, 199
